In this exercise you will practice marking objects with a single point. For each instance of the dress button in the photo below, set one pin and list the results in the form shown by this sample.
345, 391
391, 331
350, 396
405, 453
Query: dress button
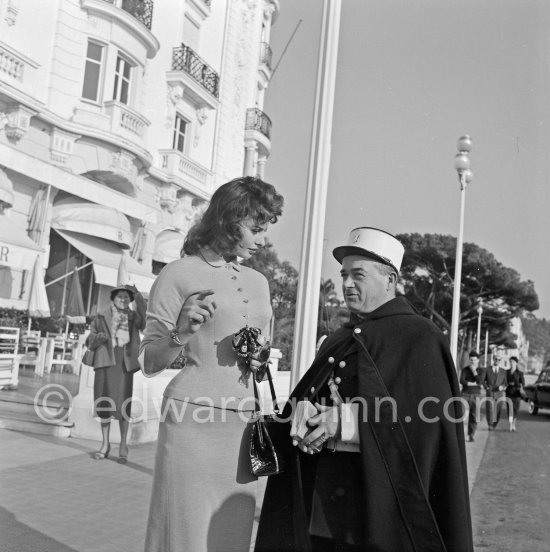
233, 277
245, 300
239, 289
331, 360
342, 364
357, 330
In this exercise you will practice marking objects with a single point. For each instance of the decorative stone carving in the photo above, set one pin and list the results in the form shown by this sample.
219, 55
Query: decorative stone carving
202, 116
183, 214
268, 11
122, 164
12, 10
16, 122
62, 145
174, 95
168, 197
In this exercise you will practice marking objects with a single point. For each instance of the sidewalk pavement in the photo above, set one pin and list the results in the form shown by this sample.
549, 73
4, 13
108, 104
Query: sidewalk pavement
55, 498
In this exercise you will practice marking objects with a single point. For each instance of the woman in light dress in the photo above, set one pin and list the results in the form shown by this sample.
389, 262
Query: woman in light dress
203, 496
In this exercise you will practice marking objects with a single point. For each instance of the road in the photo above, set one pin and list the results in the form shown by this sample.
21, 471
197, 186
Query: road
511, 495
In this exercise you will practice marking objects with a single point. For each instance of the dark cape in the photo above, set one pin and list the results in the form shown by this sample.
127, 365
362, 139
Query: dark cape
414, 477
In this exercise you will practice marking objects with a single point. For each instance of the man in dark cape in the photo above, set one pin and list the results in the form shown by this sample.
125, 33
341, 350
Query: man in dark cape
406, 487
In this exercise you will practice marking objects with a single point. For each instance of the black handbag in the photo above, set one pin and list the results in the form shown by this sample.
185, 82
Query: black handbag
88, 357
270, 442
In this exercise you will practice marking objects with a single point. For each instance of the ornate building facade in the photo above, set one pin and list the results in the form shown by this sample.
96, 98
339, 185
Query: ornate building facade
118, 120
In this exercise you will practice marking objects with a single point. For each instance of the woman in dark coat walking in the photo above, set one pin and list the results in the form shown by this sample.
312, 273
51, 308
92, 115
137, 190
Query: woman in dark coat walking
114, 341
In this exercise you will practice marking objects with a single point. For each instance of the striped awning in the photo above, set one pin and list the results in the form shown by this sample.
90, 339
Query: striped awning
106, 256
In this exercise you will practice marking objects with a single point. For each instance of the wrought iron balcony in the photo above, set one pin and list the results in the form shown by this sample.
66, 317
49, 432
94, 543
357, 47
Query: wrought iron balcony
256, 119
185, 59
142, 10
266, 54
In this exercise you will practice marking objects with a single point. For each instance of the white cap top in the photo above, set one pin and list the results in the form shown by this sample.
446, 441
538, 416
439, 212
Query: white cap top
373, 243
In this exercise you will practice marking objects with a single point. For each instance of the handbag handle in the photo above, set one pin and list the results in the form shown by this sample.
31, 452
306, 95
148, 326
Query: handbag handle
271, 388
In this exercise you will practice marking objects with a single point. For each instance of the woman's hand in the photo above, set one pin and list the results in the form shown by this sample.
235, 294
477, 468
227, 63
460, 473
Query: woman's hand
102, 337
326, 425
197, 309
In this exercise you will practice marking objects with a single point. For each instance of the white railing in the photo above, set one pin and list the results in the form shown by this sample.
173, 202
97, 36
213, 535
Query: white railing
126, 121
177, 164
11, 65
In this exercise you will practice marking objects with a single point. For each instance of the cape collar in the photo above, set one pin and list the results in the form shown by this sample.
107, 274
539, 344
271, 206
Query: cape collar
397, 306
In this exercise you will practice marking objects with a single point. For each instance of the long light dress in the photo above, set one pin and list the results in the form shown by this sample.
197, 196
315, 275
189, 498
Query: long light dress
203, 496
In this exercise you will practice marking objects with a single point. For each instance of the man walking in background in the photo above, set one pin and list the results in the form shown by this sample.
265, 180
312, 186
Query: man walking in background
494, 379
470, 379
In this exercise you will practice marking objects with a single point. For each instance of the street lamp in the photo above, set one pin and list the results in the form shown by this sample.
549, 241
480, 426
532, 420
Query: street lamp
479, 313
465, 176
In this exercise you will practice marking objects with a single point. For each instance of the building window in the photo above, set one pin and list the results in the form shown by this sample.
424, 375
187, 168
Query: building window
92, 71
180, 128
191, 33
123, 74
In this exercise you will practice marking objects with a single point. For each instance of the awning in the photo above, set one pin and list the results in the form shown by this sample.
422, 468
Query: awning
77, 215
105, 256
168, 246
6, 190
17, 250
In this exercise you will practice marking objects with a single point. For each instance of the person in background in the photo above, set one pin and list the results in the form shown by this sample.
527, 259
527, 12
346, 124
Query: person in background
470, 379
494, 379
514, 391
204, 495
114, 340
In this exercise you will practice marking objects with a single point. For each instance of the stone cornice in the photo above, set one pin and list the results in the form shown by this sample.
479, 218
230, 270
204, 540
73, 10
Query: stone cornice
44, 114
110, 11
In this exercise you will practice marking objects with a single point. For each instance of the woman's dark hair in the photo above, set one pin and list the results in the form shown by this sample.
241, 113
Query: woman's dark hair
231, 203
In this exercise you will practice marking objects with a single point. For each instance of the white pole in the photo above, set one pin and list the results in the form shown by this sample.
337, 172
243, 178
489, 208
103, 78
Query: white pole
486, 346
458, 273
479, 311
307, 302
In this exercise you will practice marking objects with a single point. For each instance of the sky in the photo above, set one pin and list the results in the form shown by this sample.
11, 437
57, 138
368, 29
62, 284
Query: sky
413, 76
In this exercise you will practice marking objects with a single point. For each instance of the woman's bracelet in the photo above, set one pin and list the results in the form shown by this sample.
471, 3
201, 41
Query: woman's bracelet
174, 336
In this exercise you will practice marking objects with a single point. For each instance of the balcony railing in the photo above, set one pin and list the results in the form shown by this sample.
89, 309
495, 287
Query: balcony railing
126, 121
266, 54
185, 59
11, 65
178, 165
256, 119
142, 10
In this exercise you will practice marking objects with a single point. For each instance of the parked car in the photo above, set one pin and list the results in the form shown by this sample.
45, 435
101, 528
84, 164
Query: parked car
537, 394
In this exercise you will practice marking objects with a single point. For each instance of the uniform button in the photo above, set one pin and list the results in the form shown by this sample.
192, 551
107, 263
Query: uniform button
245, 300
239, 289
357, 330
331, 360
233, 277
338, 380
342, 364
312, 390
